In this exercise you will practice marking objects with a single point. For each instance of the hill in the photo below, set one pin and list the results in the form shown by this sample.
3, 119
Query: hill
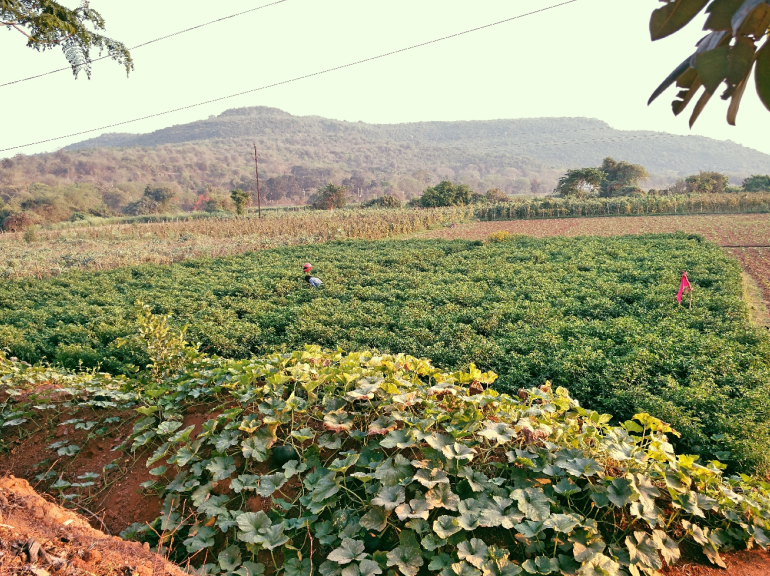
300, 153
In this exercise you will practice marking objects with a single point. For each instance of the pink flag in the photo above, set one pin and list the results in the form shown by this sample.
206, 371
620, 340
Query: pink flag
685, 285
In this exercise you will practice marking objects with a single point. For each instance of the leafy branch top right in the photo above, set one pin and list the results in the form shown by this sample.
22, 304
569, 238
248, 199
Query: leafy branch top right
738, 41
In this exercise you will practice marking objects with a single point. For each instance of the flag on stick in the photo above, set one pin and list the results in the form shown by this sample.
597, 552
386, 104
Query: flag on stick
685, 285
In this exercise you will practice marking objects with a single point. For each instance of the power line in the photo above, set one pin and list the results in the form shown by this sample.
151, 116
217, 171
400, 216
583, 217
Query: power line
326, 71
153, 41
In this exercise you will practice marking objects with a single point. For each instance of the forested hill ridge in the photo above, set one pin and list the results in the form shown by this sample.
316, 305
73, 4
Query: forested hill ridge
300, 153
554, 142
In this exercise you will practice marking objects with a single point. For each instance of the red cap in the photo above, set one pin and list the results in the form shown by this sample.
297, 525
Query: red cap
306, 266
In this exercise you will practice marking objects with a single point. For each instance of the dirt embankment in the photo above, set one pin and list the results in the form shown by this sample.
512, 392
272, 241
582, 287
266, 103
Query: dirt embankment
40, 538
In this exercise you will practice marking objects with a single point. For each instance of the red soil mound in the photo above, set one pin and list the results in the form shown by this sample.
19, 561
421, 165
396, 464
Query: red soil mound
39, 538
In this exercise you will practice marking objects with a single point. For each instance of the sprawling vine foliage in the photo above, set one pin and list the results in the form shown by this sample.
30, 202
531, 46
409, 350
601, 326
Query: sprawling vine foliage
334, 463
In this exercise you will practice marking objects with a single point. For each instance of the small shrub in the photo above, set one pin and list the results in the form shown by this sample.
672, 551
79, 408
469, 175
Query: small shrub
31, 235
499, 236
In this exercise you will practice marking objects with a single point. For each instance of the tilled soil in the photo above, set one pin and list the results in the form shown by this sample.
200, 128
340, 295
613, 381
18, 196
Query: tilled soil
40, 538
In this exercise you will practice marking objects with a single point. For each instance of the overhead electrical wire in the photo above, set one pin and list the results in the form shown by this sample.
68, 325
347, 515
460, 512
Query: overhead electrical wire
153, 41
295, 79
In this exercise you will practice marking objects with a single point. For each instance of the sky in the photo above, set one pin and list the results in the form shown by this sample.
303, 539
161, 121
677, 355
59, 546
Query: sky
589, 58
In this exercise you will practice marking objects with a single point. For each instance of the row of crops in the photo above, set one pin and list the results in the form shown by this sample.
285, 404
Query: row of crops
597, 316
362, 464
626, 206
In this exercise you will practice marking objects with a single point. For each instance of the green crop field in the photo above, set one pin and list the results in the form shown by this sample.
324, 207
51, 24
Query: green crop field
597, 315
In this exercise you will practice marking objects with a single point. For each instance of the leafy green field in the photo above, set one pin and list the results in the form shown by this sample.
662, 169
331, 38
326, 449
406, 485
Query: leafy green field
596, 315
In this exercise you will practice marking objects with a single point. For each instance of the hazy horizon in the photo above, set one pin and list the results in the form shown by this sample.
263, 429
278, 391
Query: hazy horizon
587, 59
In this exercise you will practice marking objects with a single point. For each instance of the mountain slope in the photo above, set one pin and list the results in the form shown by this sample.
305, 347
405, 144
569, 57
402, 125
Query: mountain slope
301, 153
555, 142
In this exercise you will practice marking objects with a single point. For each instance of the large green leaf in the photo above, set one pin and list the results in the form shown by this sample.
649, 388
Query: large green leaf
762, 74
674, 16
445, 526
430, 477
407, 560
201, 538
347, 552
251, 525
441, 496
389, 497
221, 467
533, 503
619, 492
230, 558
472, 551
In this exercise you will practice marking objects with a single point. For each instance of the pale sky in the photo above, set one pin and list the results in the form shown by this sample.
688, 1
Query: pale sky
591, 58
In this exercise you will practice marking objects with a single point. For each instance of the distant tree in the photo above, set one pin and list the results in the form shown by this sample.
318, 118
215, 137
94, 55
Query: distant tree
47, 24
446, 193
241, 200
622, 178
757, 183
330, 197
154, 201
496, 195
386, 201
580, 183
535, 187
727, 54
707, 183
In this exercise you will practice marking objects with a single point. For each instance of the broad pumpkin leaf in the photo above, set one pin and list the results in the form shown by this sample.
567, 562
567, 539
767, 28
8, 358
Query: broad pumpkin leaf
349, 551
473, 551
365, 567
202, 538
642, 550
667, 547
446, 526
430, 477
533, 503
375, 519
407, 560
619, 492
272, 537
221, 467
458, 451
398, 439
230, 558
441, 496
251, 524
500, 567
296, 567
497, 432
462, 569
600, 565
389, 497
270, 483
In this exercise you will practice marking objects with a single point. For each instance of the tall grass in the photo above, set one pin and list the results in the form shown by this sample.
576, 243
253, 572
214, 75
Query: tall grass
172, 240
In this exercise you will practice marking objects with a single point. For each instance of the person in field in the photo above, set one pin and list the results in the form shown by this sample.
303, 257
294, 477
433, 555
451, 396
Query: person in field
312, 280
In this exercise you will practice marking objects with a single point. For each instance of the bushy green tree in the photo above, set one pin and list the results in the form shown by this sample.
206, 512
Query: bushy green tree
580, 183
734, 44
47, 24
386, 201
241, 200
154, 201
622, 178
757, 183
446, 193
707, 183
330, 197
496, 195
